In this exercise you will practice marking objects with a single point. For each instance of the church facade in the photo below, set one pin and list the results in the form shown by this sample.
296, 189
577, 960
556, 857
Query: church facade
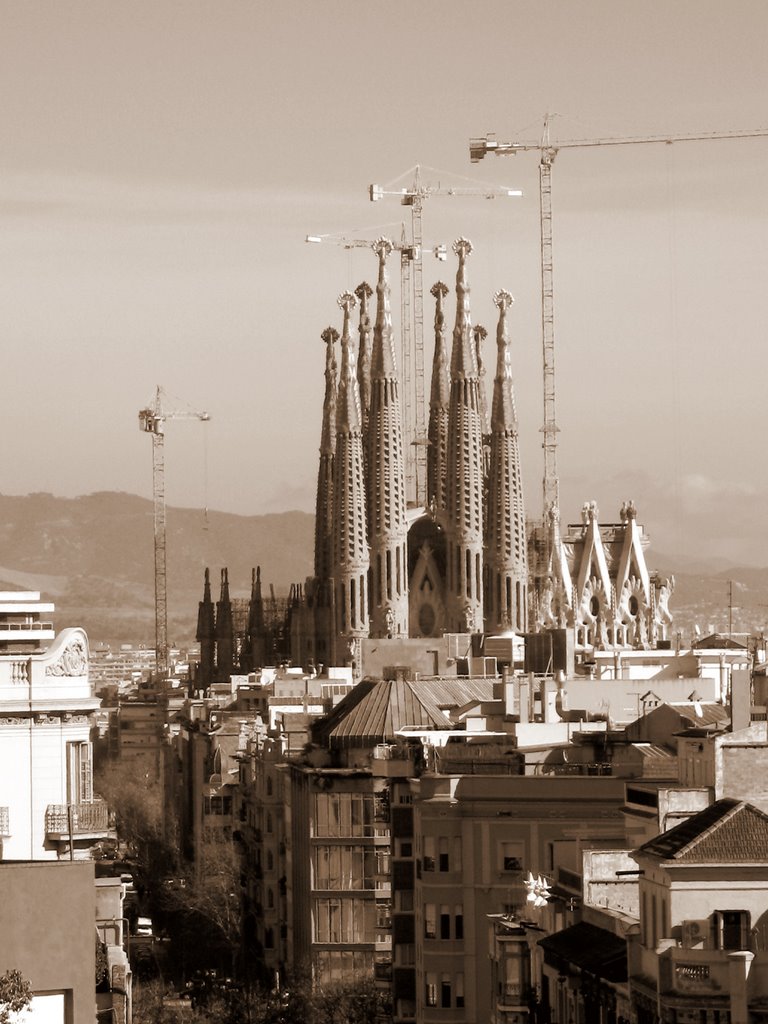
466, 561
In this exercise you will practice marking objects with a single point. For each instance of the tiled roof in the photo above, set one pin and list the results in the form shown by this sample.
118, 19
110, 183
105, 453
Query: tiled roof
701, 713
389, 706
717, 641
729, 831
374, 711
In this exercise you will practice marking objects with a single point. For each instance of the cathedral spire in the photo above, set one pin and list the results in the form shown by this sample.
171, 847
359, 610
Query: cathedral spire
438, 406
463, 353
363, 293
480, 334
254, 646
205, 635
464, 485
324, 498
350, 549
224, 632
506, 560
387, 523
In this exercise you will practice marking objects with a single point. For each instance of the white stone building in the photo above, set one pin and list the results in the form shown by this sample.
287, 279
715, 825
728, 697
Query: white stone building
47, 809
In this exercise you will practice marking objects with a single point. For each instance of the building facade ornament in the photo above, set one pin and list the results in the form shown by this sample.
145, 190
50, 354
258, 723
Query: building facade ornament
73, 660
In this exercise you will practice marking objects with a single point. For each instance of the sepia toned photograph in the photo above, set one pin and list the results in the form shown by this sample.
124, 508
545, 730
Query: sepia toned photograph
383, 565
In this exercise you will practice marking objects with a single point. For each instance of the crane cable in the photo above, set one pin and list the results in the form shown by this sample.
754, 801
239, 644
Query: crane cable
672, 249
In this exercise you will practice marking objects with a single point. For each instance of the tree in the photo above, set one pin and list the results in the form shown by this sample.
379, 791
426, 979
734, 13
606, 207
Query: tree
15, 994
206, 910
142, 818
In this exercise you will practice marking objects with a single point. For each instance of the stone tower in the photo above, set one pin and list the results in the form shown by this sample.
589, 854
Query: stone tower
206, 636
464, 484
225, 634
324, 500
254, 647
350, 547
387, 523
437, 433
363, 293
505, 557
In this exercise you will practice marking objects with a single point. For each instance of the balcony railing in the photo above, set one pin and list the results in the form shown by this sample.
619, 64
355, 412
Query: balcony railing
77, 819
5, 829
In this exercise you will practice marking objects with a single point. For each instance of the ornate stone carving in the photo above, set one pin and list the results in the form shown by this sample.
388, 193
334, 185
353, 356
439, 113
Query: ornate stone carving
462, 247
382, 246
503, 299
43, 719
347, 301
73, 661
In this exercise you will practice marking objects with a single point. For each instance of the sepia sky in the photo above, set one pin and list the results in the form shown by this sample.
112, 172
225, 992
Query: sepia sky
162, 162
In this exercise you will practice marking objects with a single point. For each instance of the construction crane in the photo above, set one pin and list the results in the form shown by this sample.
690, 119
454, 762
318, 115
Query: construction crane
414, 197
479, 148
410, 255
152, 421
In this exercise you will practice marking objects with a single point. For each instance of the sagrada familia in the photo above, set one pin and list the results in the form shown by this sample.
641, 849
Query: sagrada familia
465, 561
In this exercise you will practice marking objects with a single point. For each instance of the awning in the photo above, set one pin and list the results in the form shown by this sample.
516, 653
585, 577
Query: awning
591, 949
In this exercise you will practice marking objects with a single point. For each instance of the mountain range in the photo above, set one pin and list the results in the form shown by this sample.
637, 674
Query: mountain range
94, 557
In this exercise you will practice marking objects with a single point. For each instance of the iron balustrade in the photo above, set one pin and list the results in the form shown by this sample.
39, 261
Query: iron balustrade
77, 819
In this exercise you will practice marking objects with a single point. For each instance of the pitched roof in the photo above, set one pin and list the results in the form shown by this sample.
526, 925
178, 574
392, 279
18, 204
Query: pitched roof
384, 708
729, 831
701, 712
718, 641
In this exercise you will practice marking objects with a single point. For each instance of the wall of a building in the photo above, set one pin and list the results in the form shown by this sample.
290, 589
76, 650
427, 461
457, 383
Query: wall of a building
33, 775
48, 931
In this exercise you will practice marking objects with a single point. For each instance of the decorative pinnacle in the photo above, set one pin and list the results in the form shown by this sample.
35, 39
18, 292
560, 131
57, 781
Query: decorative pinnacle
382, 247
363, 292
503, 299
330, 335
462, 247
347, 301
480, 332
439, 290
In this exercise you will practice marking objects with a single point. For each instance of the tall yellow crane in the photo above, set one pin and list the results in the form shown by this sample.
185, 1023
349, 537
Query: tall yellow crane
414, 196
152, 421
479, 148
410, 255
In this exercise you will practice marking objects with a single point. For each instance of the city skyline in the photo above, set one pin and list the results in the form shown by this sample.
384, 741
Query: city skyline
165, 163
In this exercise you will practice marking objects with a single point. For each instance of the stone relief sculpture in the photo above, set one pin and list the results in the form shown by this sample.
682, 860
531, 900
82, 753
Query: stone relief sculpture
73, 660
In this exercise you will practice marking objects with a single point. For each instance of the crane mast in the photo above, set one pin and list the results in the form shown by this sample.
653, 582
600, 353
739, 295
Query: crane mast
413, 355
478, 149
551, 486
152, 421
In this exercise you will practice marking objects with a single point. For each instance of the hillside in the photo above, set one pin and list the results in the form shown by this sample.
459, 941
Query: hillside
94, 556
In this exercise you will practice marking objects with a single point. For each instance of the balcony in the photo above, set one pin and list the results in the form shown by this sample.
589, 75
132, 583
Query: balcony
679, 973
77, 820
5, 829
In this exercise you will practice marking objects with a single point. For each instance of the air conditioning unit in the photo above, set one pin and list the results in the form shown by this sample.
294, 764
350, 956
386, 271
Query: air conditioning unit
694, 934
